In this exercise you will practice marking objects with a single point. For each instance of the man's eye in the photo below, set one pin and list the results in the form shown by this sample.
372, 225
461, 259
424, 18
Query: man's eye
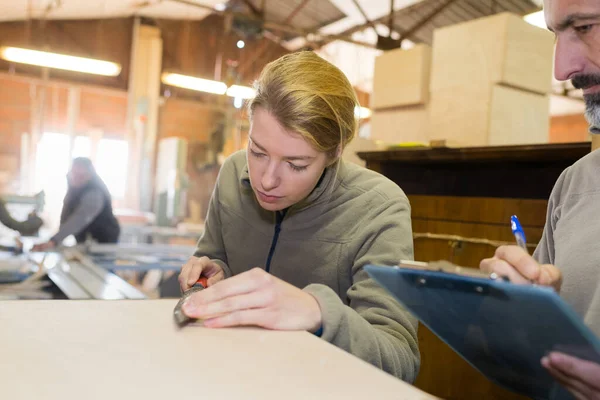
583, 28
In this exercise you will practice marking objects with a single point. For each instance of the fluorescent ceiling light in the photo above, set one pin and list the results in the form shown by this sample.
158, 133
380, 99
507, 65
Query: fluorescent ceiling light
60, 61
243, 92
193, 83
537, 19
362, 112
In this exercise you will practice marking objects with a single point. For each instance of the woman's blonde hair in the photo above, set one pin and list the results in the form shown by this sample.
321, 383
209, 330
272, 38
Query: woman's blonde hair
309, 96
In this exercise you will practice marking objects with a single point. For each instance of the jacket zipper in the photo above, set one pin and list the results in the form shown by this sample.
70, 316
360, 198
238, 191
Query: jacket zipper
279, 216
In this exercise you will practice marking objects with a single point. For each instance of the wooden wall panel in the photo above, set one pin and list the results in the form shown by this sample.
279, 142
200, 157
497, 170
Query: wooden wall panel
191, 120
15, 108
105, 110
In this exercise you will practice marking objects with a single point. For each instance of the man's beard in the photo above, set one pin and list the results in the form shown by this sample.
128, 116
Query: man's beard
592, 100
592, 111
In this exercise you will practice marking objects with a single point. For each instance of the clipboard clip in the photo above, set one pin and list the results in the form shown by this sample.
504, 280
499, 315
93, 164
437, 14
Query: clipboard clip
450, 268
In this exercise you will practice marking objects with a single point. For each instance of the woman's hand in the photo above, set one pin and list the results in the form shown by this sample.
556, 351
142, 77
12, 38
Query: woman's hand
196, 267
255, 298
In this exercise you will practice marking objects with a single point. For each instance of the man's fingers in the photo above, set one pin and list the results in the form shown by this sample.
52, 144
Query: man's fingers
521, 260
586, 371
550, 276
576, 388
502, 268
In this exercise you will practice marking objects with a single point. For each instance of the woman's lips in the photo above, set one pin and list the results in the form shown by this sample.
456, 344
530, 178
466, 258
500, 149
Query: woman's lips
267, 198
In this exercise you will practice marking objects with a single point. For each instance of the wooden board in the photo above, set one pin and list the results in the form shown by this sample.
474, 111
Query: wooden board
498, 49
132, 350
401, 77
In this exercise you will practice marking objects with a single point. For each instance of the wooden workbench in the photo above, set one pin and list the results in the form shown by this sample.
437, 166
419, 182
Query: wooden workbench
131, 349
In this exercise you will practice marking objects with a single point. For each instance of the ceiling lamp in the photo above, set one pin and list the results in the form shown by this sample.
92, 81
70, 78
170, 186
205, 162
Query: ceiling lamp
59, 61
207, 85
243, 92
193, 83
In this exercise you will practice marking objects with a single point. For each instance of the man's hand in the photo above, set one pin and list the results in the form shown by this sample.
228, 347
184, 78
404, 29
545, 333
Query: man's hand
255, 298
519, 267
581, 378
196, 267
47, 246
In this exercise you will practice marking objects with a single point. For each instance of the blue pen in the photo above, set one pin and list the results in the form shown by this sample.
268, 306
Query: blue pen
517, 230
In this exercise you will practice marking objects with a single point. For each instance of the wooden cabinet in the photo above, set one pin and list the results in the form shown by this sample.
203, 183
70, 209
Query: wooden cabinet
470, 193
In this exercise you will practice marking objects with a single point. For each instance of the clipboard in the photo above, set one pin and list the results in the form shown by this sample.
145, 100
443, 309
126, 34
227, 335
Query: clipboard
502, 329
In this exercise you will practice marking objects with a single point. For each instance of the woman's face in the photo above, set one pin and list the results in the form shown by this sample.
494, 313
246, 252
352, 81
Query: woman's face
284, 168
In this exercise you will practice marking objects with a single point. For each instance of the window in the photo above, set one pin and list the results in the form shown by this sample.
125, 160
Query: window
111, 165
53, 162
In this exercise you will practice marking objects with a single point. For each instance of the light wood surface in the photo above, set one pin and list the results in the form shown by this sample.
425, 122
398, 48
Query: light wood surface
498, 49
518, 117
488, 115
132, 350
404, 124
401, 77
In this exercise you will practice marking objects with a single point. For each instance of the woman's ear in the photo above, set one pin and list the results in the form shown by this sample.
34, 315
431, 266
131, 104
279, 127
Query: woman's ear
338, 151
335, 156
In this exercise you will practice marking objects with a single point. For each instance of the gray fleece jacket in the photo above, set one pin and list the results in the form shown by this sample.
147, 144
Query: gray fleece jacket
352, 218
571, 237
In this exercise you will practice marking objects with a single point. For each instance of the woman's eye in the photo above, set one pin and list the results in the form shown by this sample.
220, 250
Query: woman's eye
256, 154
298, 168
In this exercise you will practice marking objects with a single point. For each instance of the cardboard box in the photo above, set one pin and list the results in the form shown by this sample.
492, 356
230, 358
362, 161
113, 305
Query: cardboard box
488, 116
402, 77
501, 49
407, 124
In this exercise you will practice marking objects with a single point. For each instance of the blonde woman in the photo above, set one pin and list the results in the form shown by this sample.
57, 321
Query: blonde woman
290, 225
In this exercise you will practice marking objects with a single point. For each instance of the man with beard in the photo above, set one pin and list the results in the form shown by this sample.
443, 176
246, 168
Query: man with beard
87, 209
568, 255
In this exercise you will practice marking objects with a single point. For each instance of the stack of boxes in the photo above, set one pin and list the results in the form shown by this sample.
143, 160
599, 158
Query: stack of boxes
489, 84
401, 95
